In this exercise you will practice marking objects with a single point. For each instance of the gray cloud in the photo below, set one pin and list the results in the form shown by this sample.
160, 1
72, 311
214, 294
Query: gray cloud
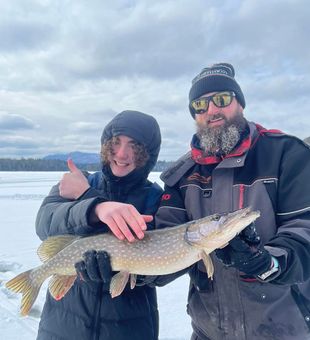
12, 147
72, 66
18, 143
130, 41
23, 35
15, 122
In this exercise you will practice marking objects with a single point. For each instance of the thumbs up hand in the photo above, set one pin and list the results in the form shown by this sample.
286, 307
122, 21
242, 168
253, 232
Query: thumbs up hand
73, 184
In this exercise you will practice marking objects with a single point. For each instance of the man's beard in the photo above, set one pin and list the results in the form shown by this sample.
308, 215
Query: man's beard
220, 141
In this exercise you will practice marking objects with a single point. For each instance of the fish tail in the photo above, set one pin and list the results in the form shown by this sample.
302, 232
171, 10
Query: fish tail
27, 284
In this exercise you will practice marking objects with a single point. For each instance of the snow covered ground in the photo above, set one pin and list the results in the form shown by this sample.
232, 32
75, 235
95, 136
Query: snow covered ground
21, 194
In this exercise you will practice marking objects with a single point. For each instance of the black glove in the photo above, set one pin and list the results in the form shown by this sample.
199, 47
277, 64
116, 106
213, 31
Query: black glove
245, 253
96, 266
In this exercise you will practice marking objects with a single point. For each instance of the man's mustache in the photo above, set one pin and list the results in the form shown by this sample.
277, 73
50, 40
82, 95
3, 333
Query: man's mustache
216, 116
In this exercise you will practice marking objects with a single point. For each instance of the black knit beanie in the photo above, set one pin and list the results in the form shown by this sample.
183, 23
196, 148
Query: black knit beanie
218, 77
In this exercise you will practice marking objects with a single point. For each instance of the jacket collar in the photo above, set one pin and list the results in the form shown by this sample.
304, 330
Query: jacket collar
123, 185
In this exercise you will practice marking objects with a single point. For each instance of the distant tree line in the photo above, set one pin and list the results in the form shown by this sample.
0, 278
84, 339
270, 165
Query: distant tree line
32, 164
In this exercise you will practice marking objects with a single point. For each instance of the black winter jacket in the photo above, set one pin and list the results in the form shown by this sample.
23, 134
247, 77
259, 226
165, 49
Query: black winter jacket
269, 171
87, 311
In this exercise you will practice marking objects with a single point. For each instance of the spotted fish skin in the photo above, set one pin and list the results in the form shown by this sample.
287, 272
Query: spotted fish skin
160, 252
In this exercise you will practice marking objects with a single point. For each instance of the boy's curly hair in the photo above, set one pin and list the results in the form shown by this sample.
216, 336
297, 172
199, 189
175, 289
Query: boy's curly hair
141, 156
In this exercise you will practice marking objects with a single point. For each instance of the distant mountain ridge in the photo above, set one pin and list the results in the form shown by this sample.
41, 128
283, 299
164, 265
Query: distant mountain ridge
78, 157
58, 162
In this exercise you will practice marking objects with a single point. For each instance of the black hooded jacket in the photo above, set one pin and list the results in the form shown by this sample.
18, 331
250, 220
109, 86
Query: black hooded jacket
87, 311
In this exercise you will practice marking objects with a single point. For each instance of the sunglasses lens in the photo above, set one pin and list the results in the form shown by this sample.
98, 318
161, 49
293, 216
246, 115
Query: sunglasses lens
222, 99
200, 105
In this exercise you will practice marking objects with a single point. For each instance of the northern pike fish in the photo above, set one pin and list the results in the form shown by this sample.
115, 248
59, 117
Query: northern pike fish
160, 252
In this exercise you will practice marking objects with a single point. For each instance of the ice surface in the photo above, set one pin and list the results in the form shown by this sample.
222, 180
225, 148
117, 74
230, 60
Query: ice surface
21, 194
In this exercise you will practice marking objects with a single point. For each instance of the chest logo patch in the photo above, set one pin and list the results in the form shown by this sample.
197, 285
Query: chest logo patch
165, 197
197, 177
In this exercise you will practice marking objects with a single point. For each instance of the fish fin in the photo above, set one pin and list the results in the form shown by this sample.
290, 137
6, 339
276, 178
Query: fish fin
59, 285
29, 287
118, 283
53, 245
208, 264
133, 280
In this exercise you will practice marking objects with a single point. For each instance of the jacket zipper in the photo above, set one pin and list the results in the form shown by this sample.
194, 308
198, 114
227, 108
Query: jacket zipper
96, 324
241, 196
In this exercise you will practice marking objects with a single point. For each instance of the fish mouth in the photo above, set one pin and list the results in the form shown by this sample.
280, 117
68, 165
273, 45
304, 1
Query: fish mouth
238, 216
221, 228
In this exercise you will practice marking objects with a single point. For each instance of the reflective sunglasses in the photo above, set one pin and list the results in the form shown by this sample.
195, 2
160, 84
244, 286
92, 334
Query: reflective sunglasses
220, 99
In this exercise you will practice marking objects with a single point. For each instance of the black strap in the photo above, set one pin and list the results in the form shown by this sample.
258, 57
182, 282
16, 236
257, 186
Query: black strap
301, 303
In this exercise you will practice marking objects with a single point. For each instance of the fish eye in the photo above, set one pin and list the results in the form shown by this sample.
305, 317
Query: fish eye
216, 217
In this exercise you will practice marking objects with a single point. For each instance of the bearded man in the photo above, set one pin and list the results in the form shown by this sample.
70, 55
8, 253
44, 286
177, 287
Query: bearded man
261, 284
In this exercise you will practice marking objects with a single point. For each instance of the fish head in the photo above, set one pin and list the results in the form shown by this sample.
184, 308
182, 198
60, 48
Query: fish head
215, 231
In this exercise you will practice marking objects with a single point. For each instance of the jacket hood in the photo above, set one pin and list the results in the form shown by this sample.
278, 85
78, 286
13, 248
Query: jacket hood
141, 127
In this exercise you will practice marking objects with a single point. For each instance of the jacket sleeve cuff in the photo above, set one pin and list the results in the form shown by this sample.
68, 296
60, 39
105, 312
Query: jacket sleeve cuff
86, 226
89, 193
279, 257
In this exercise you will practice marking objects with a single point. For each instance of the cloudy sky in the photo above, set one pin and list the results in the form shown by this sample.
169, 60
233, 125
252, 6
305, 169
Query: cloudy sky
68, 66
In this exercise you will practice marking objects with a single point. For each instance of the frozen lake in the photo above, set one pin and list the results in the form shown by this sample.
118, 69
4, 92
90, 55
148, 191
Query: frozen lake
21, 194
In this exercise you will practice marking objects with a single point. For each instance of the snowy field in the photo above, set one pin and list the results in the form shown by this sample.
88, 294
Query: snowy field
21, 194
